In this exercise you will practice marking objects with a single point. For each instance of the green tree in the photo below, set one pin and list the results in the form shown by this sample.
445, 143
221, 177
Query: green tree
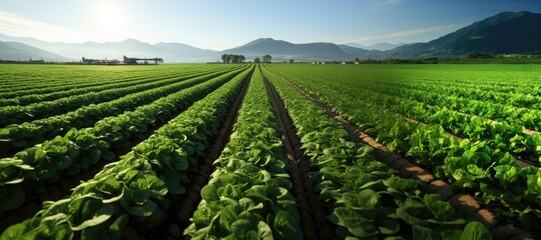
234, 58
257, 60
291, 61
267, 58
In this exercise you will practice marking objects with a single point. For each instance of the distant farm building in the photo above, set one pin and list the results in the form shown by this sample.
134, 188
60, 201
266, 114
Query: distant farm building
100, 61
128, 60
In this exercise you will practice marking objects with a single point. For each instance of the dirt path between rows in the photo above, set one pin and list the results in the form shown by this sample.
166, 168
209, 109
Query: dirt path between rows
182, 209
464, 204
52, 192
310, 205
62, 188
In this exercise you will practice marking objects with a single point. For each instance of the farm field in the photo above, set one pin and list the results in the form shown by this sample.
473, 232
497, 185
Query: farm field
271, 151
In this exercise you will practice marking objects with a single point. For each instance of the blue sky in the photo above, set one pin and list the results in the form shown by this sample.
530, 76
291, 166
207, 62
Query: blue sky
225, 24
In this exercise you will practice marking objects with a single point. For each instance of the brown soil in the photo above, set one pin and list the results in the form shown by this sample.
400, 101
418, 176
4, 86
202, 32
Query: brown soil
529, 131
411, 120
310, 205
183, 208
51, 192
465, 205
59, 189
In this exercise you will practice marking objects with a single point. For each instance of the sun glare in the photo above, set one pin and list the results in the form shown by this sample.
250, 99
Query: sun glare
110, 20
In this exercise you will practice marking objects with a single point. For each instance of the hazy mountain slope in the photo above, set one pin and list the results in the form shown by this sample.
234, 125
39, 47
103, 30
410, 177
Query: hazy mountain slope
135, 48
282, 50
507, 32
504, 33
23, 52
383, 46
170, 52
361, 53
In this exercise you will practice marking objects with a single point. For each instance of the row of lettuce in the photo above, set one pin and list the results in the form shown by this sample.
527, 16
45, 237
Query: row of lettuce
23, 80
66, 91
520, 97
490, 174
249, 193
473, 119
369, 199
499, 135
21, 113
129, 196
16, 137
30, 170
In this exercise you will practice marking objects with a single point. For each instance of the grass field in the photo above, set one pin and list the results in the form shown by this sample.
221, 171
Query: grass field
286, 151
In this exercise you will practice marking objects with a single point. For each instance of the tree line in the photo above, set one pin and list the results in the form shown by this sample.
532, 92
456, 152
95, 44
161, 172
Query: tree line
266, 59
233, 58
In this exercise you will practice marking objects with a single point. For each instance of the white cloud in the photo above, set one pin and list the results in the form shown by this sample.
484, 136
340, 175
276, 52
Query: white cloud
406, 33
17, 26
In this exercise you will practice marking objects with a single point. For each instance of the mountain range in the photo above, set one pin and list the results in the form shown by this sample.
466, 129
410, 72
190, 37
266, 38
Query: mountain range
21, 51
504, 33
383, 46
170, 52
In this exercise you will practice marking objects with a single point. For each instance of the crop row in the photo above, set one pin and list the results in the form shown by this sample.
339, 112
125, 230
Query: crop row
520, 100
29, 96
249, 194
44, 83
501, 135
493, 177
495, 90
19, 114
16, 137
37, 80
492, 78
129, 196
80, 148
434, 95
369, 200
127, 82
517, 116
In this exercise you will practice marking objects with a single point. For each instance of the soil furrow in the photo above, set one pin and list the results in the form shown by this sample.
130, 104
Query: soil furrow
182, 208
61, 188
52, 192
464, 204
310, 205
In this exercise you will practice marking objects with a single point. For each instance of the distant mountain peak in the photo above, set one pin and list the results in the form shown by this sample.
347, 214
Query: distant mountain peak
503, 33
132, 40
282, 50
382, 46
21, 51
262, 40
170, 52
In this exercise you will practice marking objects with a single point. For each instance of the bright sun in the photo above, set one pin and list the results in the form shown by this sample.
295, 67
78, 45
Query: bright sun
109, 20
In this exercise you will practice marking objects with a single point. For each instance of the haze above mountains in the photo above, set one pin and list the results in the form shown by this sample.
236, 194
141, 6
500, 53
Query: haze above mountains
504, 33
